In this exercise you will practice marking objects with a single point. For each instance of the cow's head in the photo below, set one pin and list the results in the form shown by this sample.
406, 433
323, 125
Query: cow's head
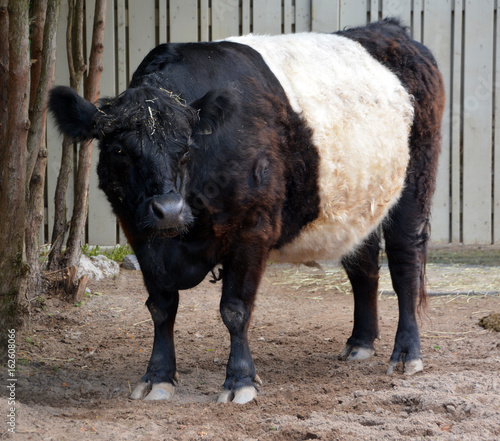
146, 138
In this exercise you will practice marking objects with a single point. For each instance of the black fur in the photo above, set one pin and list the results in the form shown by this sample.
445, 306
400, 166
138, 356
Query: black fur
75, 117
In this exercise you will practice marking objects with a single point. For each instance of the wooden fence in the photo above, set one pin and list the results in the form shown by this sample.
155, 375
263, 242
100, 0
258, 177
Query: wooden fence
463, 35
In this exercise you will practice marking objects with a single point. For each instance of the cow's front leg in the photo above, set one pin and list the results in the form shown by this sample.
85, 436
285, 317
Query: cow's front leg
158, 382
241, 278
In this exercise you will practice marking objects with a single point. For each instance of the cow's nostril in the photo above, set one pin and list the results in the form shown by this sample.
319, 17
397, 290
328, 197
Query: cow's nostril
158, 210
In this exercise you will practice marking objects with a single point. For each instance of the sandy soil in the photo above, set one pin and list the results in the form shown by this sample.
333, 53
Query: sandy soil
78, 364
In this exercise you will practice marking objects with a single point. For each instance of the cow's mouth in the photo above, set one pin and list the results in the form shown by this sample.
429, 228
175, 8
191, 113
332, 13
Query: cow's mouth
170, 233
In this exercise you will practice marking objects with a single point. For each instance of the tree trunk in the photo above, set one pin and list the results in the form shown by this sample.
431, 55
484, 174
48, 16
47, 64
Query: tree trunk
37, 161
77, 67
4, 76
77, 230
13, 269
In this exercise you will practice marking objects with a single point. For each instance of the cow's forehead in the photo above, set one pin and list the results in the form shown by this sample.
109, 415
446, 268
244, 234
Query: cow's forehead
146, 112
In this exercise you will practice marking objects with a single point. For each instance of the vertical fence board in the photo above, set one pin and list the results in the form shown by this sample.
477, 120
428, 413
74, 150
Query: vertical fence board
246, 17
205, 22
478, 60
374, 10
325, 15
303, 15
288, 19
162, 21
437, 35
398, 8
455, 98
353, 13
54, 139
183, 20
496, 146
225, 19
141, 32
121, 47
267, 17
101, 222
416, 20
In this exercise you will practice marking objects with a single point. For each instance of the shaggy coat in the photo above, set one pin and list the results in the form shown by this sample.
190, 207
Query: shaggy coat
293, 147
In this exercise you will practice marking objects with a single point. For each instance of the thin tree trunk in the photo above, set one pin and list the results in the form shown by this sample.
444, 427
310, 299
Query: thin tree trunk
77, 230
4, 76
13, 269
37, 20
77, 67
55, 260
37, 150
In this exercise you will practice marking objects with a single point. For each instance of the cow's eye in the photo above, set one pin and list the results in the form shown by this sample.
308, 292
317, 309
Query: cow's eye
119, 152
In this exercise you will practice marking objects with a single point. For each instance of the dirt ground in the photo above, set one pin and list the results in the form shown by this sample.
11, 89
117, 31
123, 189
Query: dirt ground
77, 365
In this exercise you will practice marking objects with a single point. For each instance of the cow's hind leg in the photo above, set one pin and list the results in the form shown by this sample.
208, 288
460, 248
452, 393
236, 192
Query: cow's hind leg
362, 269
241, 277
406, 235
158, 382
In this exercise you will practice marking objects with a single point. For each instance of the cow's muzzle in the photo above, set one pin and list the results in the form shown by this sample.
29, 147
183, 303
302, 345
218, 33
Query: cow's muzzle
168, 213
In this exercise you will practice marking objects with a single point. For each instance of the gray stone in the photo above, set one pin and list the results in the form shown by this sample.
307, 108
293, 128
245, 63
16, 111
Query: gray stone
109, 267
130, 262
87, 267
97, 268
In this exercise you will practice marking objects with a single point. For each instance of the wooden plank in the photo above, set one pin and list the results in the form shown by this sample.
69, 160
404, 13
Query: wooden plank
353, 13
204, 20
225, 19
374, 10
456, 127
246, 17
478, 64
267, 17
163, 21
416, 20
288, 18
496, 171
101, 221
400, 9
54, 139
183, 20
122, 75
325, 15
303, 15
141, 31
437, 35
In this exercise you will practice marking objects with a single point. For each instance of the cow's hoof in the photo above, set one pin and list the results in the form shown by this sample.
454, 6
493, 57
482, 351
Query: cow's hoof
241, 396
141, 390
409, 368
156, 391
351, 353
161, 391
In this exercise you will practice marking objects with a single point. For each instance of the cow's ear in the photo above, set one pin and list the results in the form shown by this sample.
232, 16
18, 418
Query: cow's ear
74, 116
215, 108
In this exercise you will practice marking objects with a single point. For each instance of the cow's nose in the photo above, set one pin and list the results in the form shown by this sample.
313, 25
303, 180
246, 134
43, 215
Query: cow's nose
165, 211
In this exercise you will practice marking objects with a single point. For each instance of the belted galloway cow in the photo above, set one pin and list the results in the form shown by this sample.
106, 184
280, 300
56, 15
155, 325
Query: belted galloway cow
293, 148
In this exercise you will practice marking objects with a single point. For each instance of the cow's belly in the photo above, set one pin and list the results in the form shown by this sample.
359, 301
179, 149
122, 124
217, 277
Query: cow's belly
361, 118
